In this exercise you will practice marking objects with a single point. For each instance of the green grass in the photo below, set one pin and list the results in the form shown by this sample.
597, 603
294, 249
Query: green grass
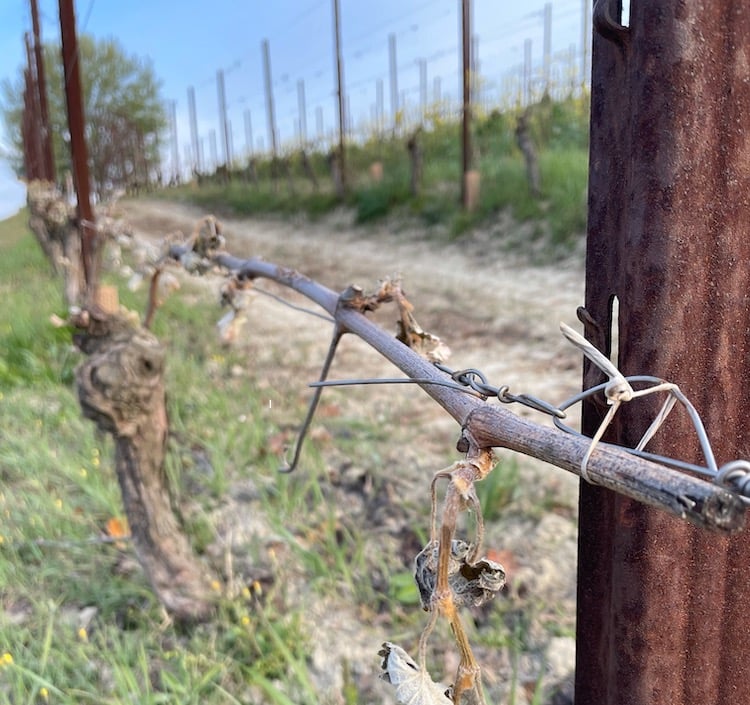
559, 131
245, 199
498, 490
32, 349
78, 620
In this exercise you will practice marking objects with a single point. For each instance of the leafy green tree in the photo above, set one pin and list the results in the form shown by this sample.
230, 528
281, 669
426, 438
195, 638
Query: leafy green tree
125, 115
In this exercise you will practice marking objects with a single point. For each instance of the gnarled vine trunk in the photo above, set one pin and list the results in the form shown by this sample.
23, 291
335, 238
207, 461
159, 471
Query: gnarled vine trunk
121, 388
52, 220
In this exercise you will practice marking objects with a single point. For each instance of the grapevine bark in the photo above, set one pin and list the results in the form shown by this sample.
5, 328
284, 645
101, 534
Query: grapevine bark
121, 389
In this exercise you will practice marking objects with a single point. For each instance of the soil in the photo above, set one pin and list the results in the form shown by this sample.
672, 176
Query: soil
499, 312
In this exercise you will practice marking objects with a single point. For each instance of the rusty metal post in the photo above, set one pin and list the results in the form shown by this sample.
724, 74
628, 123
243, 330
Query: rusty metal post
393, 74
662, 614
223, 123
79, 151
176, 170
270, 113
48, 157
26, 130
32, 133
340, 94
466, 86
194, 139
26, 134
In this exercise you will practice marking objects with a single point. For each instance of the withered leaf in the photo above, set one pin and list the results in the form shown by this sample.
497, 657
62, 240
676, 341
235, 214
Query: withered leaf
207, 236
428, 346
413, 684
472, 584
410, 333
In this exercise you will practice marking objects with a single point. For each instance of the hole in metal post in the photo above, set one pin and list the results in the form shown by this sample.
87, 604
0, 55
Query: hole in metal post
614, 331
625, 13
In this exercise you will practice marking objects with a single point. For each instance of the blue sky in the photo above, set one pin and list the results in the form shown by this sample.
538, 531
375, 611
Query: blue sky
189, 41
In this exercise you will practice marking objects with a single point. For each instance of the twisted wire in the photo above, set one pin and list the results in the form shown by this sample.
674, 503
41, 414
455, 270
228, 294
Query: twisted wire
734, 475
476, 380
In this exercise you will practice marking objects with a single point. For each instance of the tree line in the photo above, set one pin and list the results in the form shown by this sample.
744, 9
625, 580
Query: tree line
125, 115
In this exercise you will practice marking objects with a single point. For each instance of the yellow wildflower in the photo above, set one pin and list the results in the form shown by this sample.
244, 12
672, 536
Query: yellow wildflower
7, 659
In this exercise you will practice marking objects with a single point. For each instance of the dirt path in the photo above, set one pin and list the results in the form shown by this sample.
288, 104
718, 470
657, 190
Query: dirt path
498, 314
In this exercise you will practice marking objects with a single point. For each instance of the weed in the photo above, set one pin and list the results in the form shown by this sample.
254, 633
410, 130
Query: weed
377, 201
564, 178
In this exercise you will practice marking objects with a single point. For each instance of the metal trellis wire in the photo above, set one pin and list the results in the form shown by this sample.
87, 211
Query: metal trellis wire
734, 475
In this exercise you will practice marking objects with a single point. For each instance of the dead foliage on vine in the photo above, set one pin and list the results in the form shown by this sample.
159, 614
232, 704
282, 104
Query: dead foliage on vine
409, 332
449, 572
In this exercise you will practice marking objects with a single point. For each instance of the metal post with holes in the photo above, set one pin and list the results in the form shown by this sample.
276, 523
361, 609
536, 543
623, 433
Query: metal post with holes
662, 614
32, 136
340, 94
393, 73
466, 97
48, 157
194, 139
223, 124
90, 255
268, 84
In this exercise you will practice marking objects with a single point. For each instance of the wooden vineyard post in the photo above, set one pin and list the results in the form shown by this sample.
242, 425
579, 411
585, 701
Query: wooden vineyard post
661, 611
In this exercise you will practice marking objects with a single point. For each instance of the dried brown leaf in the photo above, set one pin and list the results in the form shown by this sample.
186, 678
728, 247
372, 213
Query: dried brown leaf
412, 682
410, 333
472, 584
